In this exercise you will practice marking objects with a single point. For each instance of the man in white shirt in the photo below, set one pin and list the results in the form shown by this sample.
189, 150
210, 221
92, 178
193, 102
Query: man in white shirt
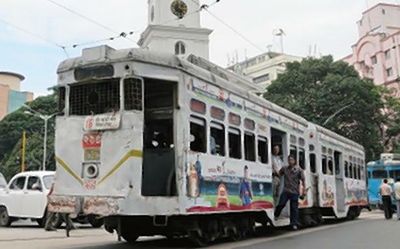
277, 164
386, 193
396, 188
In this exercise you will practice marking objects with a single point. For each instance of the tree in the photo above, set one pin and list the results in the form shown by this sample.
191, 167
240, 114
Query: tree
332, 94
11, 128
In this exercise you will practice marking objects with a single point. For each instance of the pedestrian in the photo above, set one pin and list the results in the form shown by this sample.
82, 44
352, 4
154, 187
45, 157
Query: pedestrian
397, 196
277, 164
386, 193
293, 176
50, 220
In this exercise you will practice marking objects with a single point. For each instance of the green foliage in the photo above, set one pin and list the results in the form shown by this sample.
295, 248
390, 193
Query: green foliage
333, 95
11, 129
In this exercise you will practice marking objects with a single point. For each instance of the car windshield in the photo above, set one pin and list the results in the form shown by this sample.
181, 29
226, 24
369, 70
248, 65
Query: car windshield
47, 181
3, 182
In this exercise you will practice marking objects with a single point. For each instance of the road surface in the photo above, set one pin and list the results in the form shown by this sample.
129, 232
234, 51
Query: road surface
371, 231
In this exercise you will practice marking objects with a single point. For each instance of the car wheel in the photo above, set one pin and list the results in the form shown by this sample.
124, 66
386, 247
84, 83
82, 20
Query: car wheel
5, 220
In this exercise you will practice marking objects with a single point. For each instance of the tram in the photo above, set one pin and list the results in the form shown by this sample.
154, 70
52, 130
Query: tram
165, 145
388, 167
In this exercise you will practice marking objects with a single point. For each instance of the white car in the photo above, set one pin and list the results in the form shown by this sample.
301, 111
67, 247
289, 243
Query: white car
25, 197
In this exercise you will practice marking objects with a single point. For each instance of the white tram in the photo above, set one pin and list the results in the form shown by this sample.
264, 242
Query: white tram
162, 145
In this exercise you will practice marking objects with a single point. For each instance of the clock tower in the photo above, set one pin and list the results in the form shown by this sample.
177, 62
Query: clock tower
174, 27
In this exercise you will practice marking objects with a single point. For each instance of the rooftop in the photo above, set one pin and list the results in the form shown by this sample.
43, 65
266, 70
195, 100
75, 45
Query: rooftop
19, 76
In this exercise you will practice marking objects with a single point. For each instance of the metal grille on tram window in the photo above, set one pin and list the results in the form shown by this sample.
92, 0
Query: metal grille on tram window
61, 100
133, 94
95, 98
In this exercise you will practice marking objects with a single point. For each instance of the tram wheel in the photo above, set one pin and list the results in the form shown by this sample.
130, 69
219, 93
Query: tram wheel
129, 236
199, 240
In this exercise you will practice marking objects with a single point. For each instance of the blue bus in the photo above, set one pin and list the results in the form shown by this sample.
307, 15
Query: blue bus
388, 167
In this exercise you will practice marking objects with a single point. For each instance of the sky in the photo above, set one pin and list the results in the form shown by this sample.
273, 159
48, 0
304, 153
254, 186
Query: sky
328, 25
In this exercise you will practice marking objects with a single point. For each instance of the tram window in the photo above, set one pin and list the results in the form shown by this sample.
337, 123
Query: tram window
293, 151
358, 172
346, 169
311, 147
369, 174
324, 165
198, 135
394, 174
249, 147
313, 161
323, 150
302, 158
217, 113
234, 119
354, 171
330, 166
263, 150
133, 94
351, 170
379, 174
293, 139
302, 142
234, 141
249, 124
217, 139
197, 106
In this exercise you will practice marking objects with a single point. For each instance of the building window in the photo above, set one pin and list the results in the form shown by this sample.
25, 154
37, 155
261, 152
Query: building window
374, 60
387, 54
389, 72
180, 48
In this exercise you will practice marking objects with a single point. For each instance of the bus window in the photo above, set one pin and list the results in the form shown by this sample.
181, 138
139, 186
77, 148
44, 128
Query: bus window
234, 141
217, 139
249, 147
346, 169
324, 165
330, 166
302, 158
263, 150
198, 135
313, 161
379, 174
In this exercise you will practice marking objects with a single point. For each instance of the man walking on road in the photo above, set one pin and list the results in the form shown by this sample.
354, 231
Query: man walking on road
277, 164
292, 174
397, 196
386, 194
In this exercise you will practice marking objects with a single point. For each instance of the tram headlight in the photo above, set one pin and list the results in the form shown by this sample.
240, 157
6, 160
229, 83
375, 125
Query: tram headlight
90, 171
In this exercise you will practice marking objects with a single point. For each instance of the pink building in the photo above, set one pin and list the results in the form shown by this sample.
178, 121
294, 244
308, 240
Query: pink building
376, 55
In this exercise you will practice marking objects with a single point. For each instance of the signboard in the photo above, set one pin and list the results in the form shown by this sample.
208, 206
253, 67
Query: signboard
102, 122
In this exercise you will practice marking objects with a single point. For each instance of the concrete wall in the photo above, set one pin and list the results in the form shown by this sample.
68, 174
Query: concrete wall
13, 82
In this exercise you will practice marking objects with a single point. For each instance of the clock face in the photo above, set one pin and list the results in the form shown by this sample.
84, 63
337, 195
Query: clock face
179, 8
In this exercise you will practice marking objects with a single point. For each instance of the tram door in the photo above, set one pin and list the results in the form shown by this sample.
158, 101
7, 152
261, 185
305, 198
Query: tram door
279, 139
158, 175
340, 191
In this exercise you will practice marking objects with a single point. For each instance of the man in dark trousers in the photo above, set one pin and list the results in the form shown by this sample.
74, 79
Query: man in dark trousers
293, 175
386, 193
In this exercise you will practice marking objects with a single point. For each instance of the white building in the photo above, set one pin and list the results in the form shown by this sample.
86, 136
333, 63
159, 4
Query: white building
264, 68
174, 26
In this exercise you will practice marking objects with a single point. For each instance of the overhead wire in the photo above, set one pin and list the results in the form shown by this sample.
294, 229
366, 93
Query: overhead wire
38, 36
91, 20
206, 7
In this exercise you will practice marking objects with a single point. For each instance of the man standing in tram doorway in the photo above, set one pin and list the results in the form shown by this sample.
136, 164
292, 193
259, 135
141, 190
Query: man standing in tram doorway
386, 193
277, 164
293, 175
396, 188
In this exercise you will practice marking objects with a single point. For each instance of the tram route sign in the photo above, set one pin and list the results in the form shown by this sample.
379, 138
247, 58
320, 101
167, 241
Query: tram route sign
102, 122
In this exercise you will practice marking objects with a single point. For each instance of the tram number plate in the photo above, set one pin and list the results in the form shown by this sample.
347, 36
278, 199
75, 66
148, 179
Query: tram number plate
89, 184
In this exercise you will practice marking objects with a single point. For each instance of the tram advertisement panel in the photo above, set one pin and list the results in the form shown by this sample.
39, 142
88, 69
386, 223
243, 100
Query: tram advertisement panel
213, 185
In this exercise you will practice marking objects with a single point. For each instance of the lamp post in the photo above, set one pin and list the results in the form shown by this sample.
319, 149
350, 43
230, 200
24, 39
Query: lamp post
45, 118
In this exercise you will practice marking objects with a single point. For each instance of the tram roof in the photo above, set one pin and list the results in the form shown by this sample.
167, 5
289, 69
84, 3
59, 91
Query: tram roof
339, 137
